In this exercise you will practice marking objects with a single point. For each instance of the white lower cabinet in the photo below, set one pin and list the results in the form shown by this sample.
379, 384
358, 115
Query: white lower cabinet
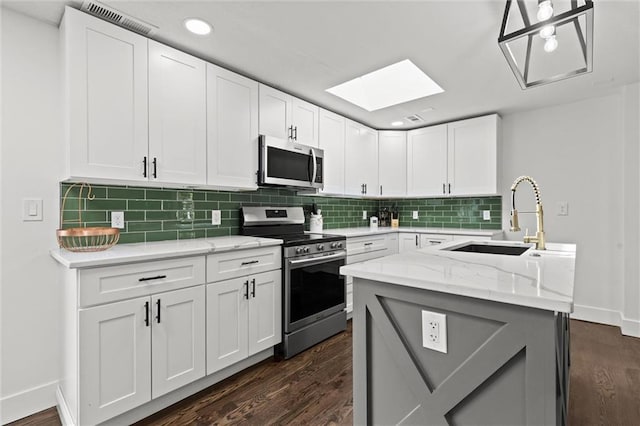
408, 242
243, 318
139, 349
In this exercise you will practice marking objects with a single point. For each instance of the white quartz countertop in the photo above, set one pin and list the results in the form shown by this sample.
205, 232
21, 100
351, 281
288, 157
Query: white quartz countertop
541, 279
127, 253
365, 231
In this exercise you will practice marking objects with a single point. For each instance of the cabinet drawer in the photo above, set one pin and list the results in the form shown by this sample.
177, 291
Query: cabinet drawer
235, 264
361, 245
427, 240
101, 285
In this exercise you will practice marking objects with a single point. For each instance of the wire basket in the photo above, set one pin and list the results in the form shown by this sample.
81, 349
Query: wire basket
84, 239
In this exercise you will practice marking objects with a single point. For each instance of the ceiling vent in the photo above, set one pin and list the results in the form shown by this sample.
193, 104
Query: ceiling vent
415, 118
112, 15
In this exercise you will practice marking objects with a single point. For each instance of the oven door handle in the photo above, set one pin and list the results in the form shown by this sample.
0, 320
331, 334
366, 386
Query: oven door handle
316, 260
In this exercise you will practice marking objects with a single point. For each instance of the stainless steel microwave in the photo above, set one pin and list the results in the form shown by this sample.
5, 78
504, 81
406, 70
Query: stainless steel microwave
286, 163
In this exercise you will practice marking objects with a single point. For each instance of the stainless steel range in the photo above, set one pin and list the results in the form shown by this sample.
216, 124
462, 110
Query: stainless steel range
313, 289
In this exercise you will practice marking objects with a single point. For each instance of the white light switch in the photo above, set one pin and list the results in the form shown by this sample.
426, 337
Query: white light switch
486, 214
364, 215
31, 209
415, 214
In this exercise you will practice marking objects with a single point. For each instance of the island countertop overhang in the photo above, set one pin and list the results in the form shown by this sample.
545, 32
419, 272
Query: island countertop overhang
542, 279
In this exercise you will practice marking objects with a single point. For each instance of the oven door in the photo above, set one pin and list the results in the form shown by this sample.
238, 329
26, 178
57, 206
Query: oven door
313, 289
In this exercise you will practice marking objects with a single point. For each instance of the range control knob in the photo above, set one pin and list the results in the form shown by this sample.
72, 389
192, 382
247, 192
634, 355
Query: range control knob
334, 245
298, 250
339, 245
305, 249
320, 247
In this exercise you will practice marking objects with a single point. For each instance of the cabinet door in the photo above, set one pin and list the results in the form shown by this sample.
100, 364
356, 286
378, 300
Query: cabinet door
427, 161
304, 118
115, 359
408, 242
178, 339
332, 132
106, 72
265, 311
472, 153
232, 129
361, 160
177, 116
275, 112
392, 163
227, 316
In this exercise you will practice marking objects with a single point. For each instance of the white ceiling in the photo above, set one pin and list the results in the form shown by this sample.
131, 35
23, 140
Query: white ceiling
305, 47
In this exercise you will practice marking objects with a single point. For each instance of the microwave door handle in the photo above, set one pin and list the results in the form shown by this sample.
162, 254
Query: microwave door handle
315, 166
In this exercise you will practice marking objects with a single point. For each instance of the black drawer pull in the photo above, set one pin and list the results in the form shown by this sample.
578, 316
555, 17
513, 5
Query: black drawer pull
253, 287
368, 244
158, 277
158, 305
251, 262
246, 289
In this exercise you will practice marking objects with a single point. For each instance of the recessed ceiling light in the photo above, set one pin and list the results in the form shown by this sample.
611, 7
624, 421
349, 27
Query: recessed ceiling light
197, 26
392, 85
396, 123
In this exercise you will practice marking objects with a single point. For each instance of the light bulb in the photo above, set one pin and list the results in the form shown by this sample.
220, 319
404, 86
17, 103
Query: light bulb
547, 31
551, 44
545, 10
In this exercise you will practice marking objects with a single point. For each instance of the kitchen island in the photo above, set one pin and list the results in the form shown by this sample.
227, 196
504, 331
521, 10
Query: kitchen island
506, 336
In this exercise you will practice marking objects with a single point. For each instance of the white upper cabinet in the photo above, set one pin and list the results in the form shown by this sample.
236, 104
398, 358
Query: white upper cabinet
232, 129
361, 160
427, 161
106, 83
473, 156
286, 117
332, 133
177, 116
392, 162
459, 158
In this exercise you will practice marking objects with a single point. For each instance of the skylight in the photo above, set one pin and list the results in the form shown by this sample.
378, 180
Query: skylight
391, 85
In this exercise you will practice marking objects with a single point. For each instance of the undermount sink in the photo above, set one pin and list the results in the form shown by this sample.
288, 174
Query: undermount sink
491, 249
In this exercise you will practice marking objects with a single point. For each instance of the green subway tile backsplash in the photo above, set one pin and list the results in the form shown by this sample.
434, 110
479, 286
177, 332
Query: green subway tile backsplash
153, 214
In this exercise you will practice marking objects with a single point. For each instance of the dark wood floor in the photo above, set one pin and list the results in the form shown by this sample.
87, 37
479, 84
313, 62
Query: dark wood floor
315, 387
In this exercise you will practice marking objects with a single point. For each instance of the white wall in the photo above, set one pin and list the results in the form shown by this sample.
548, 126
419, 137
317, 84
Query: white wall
577, 153
32, 162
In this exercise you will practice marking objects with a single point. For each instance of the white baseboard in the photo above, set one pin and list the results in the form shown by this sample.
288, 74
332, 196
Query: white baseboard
63, 409
28, 402
629, 327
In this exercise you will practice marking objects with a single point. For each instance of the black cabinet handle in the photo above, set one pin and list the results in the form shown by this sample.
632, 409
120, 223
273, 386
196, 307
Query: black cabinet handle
443, 189
158, 305
449, 188
416, 241
368, 244
365, 188
290, 131
146, 313
253, 287
157, 277
380, 189
155, 168
246, 289
251, 262
144, 166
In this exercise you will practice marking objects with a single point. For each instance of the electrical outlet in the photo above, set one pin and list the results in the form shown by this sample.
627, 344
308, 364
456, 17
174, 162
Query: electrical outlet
486, 214
434, 331
117, 220
563, 208
364, 215
415, 214
216, 217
